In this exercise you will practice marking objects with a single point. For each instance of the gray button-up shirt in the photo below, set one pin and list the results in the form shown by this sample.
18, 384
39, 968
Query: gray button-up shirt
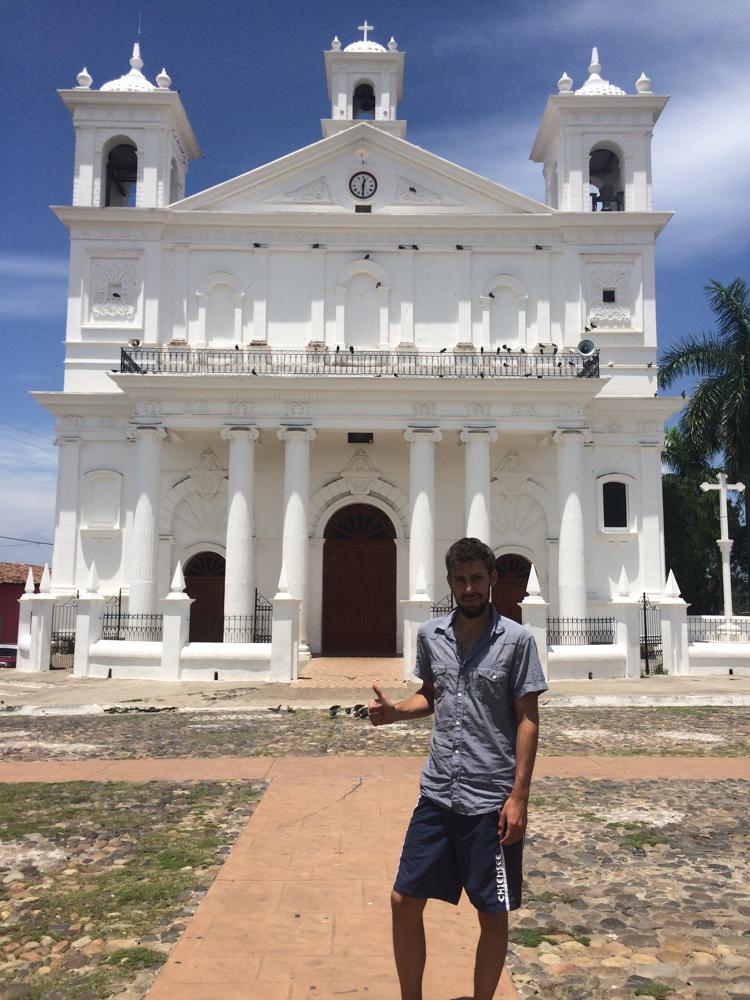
472, 762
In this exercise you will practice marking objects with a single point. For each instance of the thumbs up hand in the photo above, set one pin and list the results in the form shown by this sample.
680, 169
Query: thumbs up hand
381, 710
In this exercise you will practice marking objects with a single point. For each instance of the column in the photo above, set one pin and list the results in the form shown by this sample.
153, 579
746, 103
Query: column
571, 559
422, 509
477, 481
650, 538
239, 579
66, 521
294, 541
145, 519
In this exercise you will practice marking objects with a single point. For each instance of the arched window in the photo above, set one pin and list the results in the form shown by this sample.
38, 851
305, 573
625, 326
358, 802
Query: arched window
362, 312
121, 176
175, 183
607, 189
615, 503
363, 103
504, 312
220, 315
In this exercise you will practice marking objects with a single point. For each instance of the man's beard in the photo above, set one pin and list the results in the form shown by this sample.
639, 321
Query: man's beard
472, 611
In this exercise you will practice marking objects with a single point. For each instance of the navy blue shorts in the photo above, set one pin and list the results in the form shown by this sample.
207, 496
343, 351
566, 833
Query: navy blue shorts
445, 852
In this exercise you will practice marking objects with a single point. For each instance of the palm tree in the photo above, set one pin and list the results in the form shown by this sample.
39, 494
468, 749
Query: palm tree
717, 416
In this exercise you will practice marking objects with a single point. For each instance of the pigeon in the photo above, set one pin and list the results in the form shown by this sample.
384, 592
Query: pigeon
555, 348
459, 246
481, 350
338, 348
650, 364
277, 709
587, 329
497, 351
412, 189
253, 371
414, 246
572, 364
116, 295
316, 246
379, 375
366, 257
593, 326
527, 375
256, 245
541, 349
506, 348
491, 295
683, 393
523, 350
236, 347
540, 376
351, 348
395, 374
538, 247
333, 711
443, 350
401, 246
481, 374
559, 364
378, 284
290, 709
505, 364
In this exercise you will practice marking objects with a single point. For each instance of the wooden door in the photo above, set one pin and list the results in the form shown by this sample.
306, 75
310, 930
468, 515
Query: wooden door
204, 581
359, 583
512, 576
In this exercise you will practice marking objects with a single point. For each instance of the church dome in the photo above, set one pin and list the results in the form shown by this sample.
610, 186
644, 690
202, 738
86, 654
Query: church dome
134, 81
595, 84
367, 46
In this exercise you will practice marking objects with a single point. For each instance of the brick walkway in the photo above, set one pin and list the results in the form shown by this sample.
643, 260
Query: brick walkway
300, 908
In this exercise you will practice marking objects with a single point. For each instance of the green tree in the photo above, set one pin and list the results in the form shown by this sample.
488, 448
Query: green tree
691, 527
716, 419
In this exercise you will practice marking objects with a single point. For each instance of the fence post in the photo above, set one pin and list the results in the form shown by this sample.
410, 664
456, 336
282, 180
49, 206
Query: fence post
89, 621
24, 625
175, 626
415, 613
534, 616
674, 629
40, 631
627, 611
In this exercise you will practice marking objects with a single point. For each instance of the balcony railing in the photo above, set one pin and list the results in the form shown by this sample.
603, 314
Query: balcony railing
580, 631
544, 363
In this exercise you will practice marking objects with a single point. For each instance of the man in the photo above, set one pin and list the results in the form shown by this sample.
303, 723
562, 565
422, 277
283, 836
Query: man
481, 676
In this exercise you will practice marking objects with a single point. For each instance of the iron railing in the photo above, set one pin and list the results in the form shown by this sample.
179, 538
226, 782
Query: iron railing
580, 631
709, 628
443, 607
133, 628
63, 634
550, 363
239, 628
263, 618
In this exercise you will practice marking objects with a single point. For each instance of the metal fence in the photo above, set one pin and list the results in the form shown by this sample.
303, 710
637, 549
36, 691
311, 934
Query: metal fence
250, 628
652, 653
552, 363
63, 634
707, 628
580, 631
133, 628
443, 607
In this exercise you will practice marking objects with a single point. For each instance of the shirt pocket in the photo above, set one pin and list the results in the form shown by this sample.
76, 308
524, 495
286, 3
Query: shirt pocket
492, 684
442, 680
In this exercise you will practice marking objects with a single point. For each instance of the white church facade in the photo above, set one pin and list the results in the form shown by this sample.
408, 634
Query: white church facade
286, 395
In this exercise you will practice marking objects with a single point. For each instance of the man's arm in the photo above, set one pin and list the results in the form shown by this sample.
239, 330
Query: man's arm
513, 815
383, 711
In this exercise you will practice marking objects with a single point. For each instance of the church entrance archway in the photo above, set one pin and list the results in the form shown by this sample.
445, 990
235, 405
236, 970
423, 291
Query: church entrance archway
204, 581
512, 576
359, 583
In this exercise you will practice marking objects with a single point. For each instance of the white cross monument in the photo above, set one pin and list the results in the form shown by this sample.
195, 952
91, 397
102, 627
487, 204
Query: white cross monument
365, 28
725, 542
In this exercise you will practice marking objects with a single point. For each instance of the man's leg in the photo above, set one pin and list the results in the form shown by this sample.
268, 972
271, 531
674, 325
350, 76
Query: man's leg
491, 951
409, 946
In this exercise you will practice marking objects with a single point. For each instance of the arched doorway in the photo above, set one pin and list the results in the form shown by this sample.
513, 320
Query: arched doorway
512, 576
359, 583
204, 581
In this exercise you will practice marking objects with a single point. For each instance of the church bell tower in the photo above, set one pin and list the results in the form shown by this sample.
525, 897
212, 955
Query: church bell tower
365, 83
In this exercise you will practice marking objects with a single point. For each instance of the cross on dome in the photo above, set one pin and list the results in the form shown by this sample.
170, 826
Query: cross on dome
365, 28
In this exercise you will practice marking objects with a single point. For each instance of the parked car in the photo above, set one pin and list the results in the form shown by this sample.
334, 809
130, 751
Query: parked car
8, 655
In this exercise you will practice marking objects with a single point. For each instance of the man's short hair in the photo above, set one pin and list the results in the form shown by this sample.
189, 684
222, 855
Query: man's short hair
467, 550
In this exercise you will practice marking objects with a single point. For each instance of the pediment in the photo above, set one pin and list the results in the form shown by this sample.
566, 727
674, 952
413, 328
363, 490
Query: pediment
411, 181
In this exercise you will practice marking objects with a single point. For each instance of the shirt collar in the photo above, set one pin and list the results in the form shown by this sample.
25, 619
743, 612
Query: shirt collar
496, 625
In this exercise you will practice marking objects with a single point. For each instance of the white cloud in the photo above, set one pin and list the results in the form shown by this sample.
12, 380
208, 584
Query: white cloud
33, 286
28, 477
27, 265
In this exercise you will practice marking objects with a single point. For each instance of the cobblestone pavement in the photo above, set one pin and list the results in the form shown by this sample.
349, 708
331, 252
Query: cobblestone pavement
98, 881
633, 886
673, 731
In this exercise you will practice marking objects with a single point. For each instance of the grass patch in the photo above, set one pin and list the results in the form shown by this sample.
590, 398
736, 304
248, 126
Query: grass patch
643, 838
653, 989
530, 937
133, 857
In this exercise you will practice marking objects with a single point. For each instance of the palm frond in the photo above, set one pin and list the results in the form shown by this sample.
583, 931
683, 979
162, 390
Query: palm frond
731, 305
699, 354
702, 420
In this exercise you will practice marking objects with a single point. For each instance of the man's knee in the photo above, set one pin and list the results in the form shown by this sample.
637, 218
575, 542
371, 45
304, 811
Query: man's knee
493, 923
406, 905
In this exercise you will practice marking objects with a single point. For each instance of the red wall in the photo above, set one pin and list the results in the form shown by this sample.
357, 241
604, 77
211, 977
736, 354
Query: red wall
9, 595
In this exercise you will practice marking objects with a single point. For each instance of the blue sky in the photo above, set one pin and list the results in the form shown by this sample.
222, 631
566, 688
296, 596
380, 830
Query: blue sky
252, 80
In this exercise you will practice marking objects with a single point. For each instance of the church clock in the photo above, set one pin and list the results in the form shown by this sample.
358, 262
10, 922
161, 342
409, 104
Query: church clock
363, 184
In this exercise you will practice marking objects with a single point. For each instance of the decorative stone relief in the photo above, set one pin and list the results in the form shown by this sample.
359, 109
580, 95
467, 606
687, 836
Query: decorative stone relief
316, 191
298, 409
523, 410
511, 475
114, 291
208, 475
479, 410
71, 423
617, 279
411, 193
147, 408
570, 410
423, 409
360, 475
242, 409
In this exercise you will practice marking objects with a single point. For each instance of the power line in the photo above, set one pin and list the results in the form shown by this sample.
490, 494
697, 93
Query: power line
29, 444
31, 541
45, 437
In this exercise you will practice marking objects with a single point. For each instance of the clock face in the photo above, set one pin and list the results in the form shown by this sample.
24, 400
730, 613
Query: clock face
363, 184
